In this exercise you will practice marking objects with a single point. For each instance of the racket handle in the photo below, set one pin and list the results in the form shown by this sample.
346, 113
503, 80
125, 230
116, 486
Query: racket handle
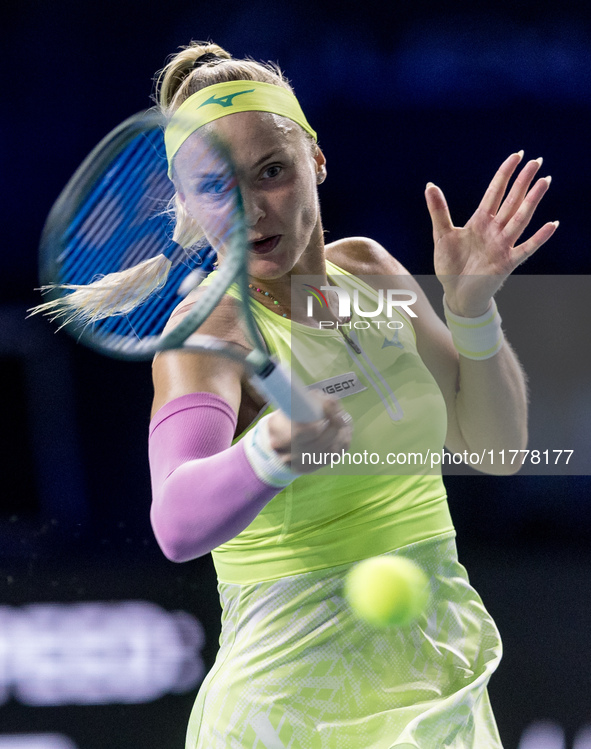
287, 392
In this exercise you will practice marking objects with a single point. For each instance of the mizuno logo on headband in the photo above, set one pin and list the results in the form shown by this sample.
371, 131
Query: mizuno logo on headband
232, 98
224, 101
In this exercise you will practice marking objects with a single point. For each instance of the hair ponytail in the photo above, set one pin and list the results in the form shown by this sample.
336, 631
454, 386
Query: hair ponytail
174, 77
116, 293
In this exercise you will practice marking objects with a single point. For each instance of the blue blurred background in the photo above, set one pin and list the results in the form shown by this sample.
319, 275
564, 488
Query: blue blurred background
400, 94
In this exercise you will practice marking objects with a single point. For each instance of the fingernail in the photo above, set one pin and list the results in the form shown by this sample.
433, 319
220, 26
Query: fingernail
540, 160
520, 153
548, 179
556, 224
429, 184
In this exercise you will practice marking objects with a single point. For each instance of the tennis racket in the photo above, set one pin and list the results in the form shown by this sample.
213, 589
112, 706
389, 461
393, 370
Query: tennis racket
115, 258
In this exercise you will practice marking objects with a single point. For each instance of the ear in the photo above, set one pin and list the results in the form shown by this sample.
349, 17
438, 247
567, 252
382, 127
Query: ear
320, 161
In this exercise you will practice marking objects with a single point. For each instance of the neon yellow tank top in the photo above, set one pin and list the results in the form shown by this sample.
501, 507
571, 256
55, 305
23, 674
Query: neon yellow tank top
339, 516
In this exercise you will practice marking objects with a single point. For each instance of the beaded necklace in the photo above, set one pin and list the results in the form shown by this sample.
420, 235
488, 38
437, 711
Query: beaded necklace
267, 294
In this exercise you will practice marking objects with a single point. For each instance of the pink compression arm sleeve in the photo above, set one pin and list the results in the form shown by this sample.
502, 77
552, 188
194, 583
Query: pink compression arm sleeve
204, 490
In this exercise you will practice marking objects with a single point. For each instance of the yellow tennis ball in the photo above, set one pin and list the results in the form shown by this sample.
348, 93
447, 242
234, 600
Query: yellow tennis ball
387, 591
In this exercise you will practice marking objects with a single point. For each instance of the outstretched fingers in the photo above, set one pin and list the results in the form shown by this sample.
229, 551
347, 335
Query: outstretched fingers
514, 199
438, 210
527, 248
494, 194
521, 218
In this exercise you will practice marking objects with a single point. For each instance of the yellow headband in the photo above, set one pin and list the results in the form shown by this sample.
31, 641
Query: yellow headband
221, 99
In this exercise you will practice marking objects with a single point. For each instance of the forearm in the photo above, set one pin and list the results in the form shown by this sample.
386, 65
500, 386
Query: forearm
204, 490
491, 404
206, 502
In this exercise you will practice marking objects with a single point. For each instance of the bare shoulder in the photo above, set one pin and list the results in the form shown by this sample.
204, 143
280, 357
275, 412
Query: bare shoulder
223, 321
363, 257
371, 260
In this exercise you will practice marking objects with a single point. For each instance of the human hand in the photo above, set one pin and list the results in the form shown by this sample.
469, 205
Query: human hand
330, 434
473, 261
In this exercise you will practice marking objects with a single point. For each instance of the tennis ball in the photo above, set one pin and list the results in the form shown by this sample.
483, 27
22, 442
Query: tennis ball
387, 590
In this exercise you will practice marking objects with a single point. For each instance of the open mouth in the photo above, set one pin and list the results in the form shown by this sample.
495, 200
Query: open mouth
266, 245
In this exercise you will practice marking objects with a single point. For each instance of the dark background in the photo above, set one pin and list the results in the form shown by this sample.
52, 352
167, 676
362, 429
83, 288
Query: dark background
400, 94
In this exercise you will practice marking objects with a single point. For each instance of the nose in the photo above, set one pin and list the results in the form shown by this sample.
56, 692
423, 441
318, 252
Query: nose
253, 207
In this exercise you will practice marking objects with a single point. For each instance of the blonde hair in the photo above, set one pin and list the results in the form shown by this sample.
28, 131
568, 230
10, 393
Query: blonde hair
182, 77
119, 293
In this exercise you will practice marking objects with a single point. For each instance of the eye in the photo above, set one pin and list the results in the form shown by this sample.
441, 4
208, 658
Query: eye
272, 171
214, 187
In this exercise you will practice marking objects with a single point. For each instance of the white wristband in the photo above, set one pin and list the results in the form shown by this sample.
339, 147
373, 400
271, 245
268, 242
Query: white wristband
475, 337
265, 462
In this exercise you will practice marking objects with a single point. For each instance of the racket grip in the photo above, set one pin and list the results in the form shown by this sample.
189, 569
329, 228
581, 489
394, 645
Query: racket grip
287, 392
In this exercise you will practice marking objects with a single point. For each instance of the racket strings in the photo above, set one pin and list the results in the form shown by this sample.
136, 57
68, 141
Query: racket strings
113, 205
113, 231
113, 279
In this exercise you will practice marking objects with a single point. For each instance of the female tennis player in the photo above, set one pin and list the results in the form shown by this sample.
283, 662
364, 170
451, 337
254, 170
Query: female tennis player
295, 667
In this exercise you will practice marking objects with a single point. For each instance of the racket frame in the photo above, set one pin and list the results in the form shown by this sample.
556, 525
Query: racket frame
287, 393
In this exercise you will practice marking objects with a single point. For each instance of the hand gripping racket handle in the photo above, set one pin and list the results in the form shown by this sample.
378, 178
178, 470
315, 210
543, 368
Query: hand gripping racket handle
286, 391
